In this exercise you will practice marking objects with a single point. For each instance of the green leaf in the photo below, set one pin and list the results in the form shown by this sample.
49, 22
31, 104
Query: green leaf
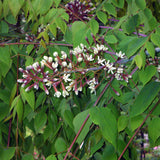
10, 19
19, 108
5, 7
53, 29
154, 129
5, 60
30, 48
4, 27
146, 74
29, 97
14, 102
141, 4
118, 3
131, 44
109, 153
60, 145
79, 30
28, 157
1, 6
78, 121
102, 17
44, 6
4, 110
155, 38
40, 99
57, 2
40, 121
15, 6
107, 122
111, 39
61, 24
51, 157
68, 117
135, 122
130, 25
110, 9
150, 48
45, 36
138, 60
122, 123
145, 98
94, 25
7, 153
4, 94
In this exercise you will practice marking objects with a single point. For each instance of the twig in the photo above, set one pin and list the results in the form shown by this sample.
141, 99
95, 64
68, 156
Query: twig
69, 149
138, 129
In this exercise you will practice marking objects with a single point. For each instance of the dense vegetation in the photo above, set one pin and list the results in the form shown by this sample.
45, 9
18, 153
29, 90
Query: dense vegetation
79, 79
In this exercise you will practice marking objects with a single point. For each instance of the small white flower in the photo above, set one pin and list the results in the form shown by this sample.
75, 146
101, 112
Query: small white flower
29, 67
66, 77
120, 70
43, 63
64, 56
35, 65
55, 54
120, 54
24, 75
45, 58
50, 59
100, 61
36, 86
45, 80
92, 88
64, 63
65, 93
111, 68
20, 80
76, 92
21, 69
70, 65
57, 94
118, 76
54, 65
89, 58
69, 88
27, 89
56, 59
79, 59
95, 50
80, 89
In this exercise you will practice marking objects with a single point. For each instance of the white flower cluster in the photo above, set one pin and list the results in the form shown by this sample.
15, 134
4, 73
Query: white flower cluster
67, 72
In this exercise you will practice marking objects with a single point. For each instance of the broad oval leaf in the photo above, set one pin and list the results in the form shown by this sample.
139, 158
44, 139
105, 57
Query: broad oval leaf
155, 38
107, 122
154, 129
150, 48
40, 121
138, 60
146, 74
141, 4
145, 98
29, 97
102, 17
94, 25
122, 122
78, 121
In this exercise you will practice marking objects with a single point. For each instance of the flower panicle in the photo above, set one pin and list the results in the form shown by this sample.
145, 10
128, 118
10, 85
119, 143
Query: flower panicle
65, 74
